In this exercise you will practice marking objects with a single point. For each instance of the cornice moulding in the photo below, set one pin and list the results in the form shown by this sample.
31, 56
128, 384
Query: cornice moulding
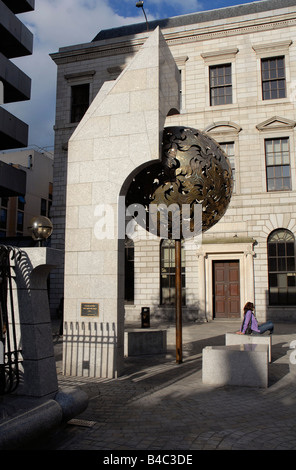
225, 53
94, 49
274, 47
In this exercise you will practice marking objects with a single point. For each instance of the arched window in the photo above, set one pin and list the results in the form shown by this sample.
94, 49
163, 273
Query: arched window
168, 271
281, 268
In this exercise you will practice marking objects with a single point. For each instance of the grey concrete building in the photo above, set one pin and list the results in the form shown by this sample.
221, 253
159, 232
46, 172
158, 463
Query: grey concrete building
238, 84
15, 41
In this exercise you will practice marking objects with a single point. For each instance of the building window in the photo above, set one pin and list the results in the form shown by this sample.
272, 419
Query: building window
281, 268
129, 271
273, 78
20, 215
3, 216
50, 189
220, 85
228, 148
20, 223
168, 273
278, 173
79, 101
43, 207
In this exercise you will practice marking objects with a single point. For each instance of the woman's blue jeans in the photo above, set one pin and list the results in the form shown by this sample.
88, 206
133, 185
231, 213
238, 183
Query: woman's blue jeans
268, 326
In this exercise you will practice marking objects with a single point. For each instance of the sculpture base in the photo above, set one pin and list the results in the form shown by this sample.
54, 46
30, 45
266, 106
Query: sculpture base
144, 342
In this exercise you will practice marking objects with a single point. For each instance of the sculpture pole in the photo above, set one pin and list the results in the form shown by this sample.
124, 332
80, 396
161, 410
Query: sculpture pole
178, 281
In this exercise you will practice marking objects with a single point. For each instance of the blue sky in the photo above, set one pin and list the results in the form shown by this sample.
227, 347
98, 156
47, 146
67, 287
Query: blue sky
156, 9
59, 23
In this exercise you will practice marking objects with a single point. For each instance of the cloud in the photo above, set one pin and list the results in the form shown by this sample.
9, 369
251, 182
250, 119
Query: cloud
59, 23
65, 22
55, 24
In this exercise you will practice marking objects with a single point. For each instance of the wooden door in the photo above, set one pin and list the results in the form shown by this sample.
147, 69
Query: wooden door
226, 289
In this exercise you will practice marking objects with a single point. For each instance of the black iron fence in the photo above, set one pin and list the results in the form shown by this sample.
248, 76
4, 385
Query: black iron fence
10, 353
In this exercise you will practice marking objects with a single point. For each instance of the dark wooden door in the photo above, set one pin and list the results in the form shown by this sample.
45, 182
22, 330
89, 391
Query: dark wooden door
226, 289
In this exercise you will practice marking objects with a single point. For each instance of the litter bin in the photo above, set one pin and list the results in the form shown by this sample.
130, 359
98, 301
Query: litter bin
145, 317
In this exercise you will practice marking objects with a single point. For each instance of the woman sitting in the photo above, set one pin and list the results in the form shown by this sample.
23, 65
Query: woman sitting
250, 324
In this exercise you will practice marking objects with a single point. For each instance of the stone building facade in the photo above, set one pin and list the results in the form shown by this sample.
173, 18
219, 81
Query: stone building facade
238, 84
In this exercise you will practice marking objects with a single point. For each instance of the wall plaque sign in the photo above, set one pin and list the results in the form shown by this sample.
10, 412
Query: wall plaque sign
89, 310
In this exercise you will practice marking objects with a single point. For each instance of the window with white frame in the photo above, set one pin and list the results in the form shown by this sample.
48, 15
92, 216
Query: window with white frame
220, 84
168, 273
278, 171
273, 78
281, 268
228, 148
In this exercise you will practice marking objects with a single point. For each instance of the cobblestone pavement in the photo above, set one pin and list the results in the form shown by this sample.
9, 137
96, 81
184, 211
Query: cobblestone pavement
160, 405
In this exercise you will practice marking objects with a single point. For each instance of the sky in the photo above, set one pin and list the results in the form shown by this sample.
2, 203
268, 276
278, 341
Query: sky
60, 23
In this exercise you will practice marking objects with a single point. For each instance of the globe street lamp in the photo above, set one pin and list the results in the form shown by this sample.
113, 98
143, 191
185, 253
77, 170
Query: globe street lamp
40, 228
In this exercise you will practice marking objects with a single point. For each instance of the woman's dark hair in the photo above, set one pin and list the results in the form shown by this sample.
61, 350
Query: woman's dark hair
249, 306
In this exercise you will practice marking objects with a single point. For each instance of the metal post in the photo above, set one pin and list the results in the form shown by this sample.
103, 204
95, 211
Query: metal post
178, 301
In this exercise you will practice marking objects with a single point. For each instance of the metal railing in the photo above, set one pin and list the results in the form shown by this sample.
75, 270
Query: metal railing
10, 354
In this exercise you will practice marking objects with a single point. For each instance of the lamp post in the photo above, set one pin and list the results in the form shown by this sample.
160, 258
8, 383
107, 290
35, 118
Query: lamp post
141, 5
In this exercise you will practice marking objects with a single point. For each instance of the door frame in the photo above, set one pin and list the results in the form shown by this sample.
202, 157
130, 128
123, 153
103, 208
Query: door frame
209, 252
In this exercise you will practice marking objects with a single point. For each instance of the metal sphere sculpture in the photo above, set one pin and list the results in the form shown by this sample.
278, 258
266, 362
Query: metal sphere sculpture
194, 170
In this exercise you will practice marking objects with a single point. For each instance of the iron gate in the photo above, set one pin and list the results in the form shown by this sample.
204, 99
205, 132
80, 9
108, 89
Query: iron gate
10, 354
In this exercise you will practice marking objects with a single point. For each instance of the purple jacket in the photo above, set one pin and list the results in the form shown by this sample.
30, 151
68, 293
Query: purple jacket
254, 324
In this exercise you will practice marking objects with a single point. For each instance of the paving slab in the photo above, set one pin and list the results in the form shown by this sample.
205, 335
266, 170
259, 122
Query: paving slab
158, 405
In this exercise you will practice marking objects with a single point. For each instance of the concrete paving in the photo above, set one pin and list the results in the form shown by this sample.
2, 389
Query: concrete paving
158, 405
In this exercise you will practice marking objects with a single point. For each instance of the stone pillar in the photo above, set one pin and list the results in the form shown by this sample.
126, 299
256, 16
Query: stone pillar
38, 377
121, 131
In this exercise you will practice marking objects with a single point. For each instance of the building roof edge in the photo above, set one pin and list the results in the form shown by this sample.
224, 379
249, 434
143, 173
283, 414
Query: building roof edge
198, 17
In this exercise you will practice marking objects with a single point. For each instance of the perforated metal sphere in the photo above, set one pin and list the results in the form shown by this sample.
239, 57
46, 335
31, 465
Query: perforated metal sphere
194, 170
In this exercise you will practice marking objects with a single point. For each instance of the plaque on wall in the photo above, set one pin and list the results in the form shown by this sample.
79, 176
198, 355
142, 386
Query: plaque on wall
89, 310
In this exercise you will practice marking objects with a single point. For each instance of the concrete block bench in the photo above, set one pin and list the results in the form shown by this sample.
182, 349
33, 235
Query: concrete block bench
145, 341
243, 365
233, 339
